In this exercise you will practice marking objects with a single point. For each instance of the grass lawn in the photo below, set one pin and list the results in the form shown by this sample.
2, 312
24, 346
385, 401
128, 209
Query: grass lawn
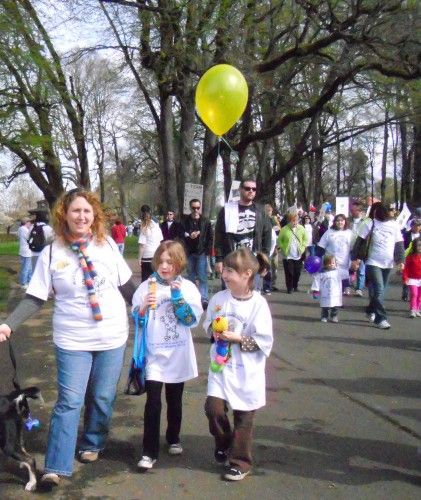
4, 288
12, 247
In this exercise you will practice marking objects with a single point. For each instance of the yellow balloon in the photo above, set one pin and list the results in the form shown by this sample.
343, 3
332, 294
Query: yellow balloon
221, 97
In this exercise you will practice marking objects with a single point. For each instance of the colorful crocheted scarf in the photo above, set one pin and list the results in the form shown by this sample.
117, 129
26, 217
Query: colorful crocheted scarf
79, 247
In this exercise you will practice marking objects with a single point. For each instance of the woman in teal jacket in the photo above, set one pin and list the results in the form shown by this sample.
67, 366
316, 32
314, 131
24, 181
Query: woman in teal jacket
292, 242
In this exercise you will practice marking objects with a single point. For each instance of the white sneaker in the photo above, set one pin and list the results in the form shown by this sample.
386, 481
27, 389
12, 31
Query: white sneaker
413, 314
371, 317
334, 319
347, 291
418, 314
383, 325
146, 463
175, 449
358, 293
323, 320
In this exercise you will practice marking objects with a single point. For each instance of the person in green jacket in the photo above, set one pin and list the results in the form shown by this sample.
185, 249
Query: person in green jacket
292, 242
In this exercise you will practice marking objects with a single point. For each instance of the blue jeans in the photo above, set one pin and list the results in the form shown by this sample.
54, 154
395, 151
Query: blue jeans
377, 282
88, 377
360, 276
120, 247
197, 269
25, 274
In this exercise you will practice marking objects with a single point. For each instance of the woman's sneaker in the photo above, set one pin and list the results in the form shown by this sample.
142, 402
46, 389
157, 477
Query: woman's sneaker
86, 457
371, 317
221, 457
146, 463
50, 479
413, 314
383, 325
235, 474
175, 449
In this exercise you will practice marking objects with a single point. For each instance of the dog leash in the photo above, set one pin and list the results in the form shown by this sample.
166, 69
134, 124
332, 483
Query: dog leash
13, 360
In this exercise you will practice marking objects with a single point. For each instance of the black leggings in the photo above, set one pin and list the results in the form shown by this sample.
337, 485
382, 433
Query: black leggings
152, 415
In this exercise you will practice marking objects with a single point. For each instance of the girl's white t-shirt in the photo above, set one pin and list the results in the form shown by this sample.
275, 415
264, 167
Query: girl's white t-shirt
170, 351
73, 325
382, 246
242, 381
338, 244
329, 284
151, 237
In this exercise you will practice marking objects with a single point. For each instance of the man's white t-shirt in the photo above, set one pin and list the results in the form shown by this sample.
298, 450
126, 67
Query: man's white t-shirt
338, 244
151, 237
242, 381
23, 234
73, 325
382, 246
170, 351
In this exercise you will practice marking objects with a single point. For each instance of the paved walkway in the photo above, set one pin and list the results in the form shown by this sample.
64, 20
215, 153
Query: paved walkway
343, 419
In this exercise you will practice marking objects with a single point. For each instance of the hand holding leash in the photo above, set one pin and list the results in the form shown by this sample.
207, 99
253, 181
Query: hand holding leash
5, 332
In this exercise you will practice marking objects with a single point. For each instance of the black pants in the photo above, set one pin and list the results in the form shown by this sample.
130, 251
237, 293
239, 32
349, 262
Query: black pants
146, 269
292, 269
325, 312
152, 415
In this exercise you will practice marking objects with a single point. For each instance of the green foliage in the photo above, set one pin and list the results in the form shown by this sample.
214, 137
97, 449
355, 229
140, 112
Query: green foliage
131, 247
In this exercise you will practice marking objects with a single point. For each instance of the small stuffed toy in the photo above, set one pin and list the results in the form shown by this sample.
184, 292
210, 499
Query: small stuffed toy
220, 324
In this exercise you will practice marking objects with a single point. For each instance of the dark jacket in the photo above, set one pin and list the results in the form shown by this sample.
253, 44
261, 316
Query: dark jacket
205, 238
175, 232
225, 243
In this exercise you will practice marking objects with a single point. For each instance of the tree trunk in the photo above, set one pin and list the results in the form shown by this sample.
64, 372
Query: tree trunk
406, 168
208, 178
416, 197
166, 137
384, 156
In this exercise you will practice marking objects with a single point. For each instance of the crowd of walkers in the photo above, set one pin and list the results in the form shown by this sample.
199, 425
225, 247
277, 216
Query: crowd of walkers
85, 272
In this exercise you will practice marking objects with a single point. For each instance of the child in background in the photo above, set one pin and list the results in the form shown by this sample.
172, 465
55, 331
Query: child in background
411, 277
241, 383
171, 311
330, 289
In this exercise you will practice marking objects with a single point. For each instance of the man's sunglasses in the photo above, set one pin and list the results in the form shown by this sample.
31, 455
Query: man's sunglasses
249, 188
195, 208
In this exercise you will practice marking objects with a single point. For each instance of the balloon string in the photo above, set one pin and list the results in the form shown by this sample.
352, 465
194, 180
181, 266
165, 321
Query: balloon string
226, 142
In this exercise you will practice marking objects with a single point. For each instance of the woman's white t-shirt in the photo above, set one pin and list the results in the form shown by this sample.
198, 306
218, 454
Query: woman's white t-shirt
170, 351
73, 325
338, 244
151, 237
382, 246
309, 231
242, 381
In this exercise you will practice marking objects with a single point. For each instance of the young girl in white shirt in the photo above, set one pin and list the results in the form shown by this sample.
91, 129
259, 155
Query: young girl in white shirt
170, 312
241, 382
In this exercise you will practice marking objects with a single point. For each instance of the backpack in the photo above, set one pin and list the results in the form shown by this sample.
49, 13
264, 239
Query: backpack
36, 240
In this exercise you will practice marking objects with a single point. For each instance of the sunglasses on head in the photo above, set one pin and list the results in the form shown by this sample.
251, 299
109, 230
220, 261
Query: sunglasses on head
249, 188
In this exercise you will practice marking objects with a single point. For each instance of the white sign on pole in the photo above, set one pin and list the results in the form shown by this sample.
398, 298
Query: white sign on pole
404, 216
342, 205
191, 191
235, 191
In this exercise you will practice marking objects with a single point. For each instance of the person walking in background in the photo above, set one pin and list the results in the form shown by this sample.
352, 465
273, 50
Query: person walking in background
198, 239
41, 234
150, 236
292, 243
308, 226
89, 280
171, 229
411, 277
25, 254
241, 381
336, 241
119, 233
355, 222
408, 237
242, 223
171, 358
385, 246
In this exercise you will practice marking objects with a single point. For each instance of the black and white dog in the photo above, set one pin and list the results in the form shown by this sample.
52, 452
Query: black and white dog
14, 411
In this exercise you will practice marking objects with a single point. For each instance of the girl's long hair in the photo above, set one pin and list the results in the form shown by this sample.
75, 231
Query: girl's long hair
415, 242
